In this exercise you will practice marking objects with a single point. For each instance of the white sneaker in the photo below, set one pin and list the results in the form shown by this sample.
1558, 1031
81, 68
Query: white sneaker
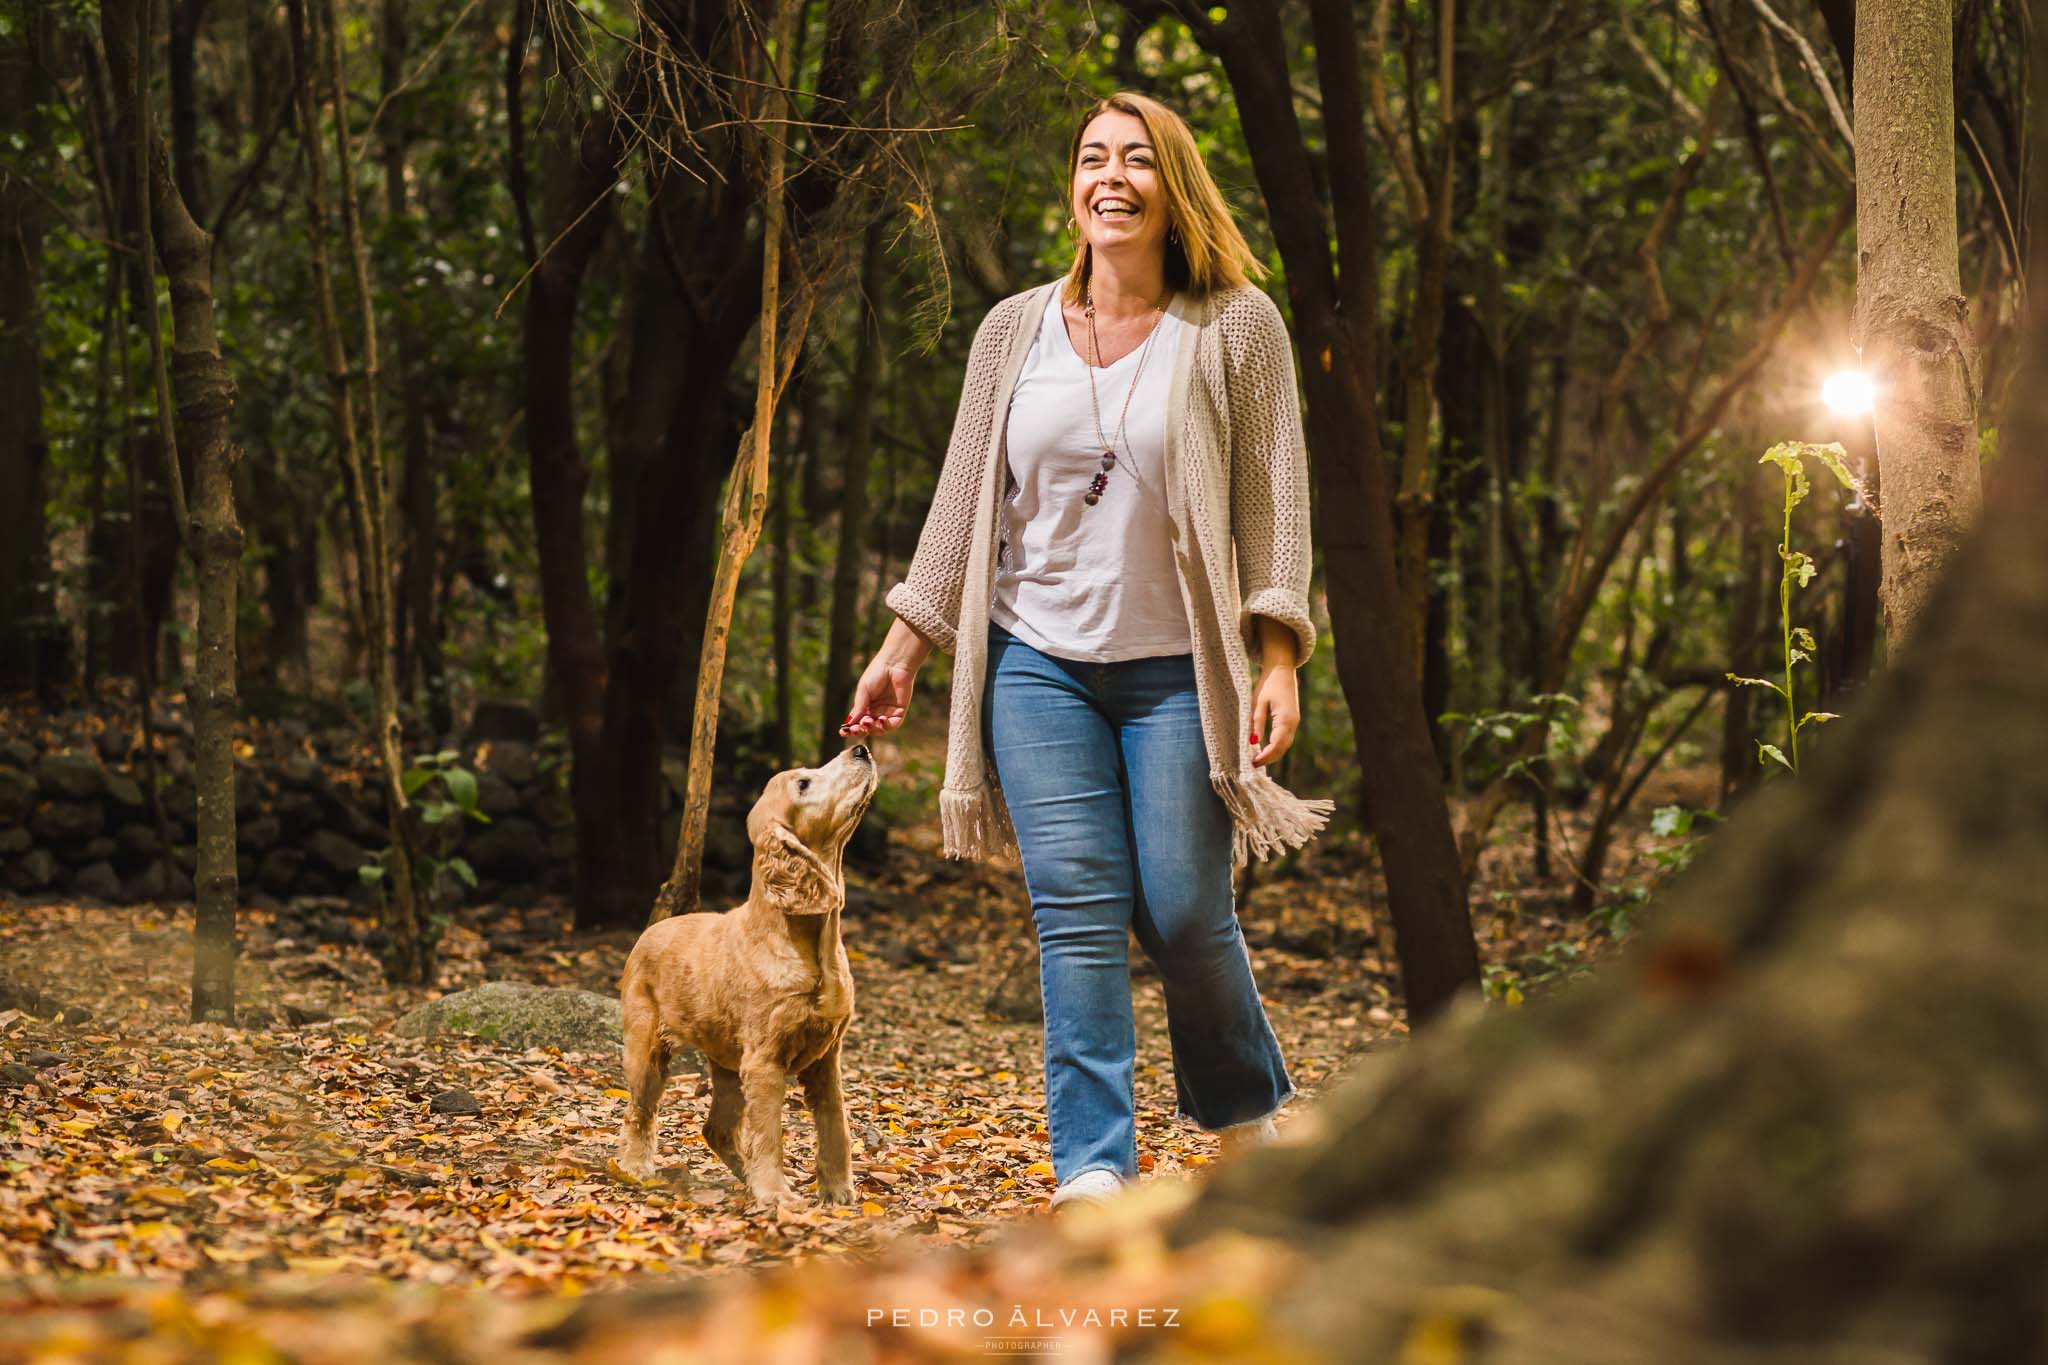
1240, 1137
1089, 1187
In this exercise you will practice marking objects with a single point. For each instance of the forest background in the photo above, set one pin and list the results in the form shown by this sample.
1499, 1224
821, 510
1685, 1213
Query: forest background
1603, 264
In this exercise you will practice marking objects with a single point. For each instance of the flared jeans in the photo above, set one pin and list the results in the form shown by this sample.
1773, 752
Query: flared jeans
1106, 776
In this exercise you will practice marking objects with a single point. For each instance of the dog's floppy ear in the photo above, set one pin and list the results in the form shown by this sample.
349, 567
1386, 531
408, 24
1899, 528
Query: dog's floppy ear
789, 877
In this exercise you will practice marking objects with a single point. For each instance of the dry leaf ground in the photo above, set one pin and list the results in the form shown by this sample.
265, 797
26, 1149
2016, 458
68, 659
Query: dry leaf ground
251, 1171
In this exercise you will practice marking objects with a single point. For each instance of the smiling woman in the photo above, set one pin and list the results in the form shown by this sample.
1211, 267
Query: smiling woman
1120, 530
1138, 180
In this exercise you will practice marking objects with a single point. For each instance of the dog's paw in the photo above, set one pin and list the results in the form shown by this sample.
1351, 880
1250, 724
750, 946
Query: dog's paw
835, 1192
775, 1198
640, 1172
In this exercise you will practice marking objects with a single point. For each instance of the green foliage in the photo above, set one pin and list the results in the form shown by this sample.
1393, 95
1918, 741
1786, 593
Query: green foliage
454, 789
1499, 731
1798, 571
442, 795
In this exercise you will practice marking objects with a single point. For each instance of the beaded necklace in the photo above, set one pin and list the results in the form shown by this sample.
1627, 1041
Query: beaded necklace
1101, 480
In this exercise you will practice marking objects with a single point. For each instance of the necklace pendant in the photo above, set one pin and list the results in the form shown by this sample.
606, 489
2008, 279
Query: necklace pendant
1108, 460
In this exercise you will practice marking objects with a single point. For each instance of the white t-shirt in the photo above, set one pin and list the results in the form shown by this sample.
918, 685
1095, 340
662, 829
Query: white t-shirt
1090, 584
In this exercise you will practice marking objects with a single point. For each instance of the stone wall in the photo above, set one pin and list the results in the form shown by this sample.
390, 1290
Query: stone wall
76, 821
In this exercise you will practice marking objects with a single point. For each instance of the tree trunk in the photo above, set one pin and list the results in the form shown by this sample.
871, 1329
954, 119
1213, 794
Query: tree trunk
406, 956
1335, 304
1912, 320
558, 475
422, 671
187, 162
780, 481
206, 402
33, 641
854, 521
746, 500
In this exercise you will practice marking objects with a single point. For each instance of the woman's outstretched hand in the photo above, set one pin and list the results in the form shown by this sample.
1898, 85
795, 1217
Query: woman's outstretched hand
881, 699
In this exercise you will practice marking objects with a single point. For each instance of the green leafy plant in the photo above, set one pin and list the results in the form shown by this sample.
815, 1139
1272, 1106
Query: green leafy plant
1676, 822
441, 791
1504, 728
1798, 570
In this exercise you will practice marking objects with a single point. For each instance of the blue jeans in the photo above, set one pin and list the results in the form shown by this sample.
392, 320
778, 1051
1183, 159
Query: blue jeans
1107, 780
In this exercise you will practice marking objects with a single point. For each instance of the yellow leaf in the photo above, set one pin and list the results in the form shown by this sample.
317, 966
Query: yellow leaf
170, 1122
871, 1208
228, 1163
231, 1255
1042, 1169
525, 1264
617, 1094
619, 1251
914, 207
157, 1194
953, 1135
76, 1127
202, 1072
319, 1265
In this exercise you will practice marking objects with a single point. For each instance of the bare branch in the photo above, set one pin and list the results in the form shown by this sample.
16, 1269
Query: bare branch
1383, 117
1656, 69
1811, 61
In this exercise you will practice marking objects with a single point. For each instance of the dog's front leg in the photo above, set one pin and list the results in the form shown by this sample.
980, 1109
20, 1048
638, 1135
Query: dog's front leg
823, 1093
764, 1083
646, 1065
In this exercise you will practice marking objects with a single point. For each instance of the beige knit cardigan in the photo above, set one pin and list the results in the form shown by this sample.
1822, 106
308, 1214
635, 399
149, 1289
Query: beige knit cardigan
1237, 501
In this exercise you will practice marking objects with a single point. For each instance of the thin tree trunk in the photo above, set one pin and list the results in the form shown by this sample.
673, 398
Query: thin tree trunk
206, 401
854, 521
1428, 194
781, 482
189, 161
1912, 319
405, 955
31, 636
1335, 305
558, 475
746, 501
422, 671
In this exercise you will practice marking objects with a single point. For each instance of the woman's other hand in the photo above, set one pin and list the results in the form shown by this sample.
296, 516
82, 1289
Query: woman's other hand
1276, 697
881, 699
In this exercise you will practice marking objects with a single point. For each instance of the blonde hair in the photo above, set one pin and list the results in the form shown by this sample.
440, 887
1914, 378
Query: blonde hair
1205, 250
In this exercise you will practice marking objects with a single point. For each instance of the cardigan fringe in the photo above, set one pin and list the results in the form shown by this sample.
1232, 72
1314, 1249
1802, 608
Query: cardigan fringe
1266, 818
976, 823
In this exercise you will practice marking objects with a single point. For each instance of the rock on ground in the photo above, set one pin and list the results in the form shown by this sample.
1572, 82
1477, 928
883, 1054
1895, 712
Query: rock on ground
521, 1015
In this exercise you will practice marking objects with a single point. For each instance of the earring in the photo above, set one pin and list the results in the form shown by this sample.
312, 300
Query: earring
1173, 234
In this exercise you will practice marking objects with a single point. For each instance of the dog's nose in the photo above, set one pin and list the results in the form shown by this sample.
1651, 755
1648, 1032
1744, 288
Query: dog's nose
860, 751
